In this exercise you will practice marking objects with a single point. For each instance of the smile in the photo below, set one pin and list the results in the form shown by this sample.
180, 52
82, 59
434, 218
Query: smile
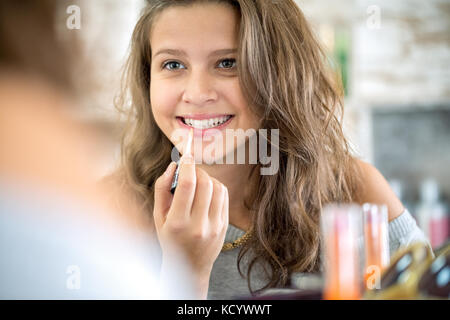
205, 121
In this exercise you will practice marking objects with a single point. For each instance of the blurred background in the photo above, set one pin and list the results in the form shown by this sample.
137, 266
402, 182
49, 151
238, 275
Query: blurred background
393, 57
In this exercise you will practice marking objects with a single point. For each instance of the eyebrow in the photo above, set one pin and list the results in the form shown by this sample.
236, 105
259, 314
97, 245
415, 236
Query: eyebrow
181, 53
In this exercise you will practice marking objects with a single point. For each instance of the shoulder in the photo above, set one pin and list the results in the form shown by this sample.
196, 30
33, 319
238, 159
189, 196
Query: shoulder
114, 182
123, 197
377, 190
118, 186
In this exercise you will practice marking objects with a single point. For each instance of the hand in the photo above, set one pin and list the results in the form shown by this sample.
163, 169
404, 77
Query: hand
195, 218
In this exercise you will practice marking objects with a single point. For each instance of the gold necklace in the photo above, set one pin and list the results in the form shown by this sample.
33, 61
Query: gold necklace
238, 242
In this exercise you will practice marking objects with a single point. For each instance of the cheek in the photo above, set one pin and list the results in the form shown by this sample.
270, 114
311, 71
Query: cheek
163, 102
247, 118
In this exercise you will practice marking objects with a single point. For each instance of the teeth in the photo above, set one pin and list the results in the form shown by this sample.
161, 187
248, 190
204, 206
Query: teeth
207, 123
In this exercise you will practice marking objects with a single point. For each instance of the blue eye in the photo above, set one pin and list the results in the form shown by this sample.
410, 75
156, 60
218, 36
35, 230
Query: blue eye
172, 65
228, 63
175, 65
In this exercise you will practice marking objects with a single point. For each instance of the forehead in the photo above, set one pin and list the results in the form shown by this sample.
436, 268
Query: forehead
198, 26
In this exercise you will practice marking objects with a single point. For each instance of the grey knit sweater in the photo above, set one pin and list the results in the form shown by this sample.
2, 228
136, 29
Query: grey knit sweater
227, 283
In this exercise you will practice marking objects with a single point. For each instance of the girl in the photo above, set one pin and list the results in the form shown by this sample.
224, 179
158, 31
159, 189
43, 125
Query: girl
240, 64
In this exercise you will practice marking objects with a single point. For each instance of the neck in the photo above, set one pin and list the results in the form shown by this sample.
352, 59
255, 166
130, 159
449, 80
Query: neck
235, 178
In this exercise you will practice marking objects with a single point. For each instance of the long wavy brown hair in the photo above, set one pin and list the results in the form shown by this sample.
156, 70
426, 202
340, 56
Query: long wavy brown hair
286, 79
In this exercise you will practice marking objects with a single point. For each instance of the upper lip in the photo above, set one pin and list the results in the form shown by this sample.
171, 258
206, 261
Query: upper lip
204, 116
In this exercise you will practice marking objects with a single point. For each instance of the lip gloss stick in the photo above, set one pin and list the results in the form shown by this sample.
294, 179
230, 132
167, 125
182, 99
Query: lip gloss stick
187, 150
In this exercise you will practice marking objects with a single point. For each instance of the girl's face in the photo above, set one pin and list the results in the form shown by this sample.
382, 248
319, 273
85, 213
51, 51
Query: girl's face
194, 79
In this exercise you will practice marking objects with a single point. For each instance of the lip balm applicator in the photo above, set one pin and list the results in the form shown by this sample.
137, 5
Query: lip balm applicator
187, 150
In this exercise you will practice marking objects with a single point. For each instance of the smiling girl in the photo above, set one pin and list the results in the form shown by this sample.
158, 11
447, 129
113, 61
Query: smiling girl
250, 65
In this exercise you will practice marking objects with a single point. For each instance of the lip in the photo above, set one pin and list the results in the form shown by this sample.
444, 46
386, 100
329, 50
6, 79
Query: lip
204, 132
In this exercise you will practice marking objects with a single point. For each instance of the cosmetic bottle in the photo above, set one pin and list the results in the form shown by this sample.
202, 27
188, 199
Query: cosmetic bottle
432, 213
341, 228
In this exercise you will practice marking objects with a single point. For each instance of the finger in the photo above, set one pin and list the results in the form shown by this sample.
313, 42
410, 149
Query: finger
217, 202
185, 191
202, 199
163, 197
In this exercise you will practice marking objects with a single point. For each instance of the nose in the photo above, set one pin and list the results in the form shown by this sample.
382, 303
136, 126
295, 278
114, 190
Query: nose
199, 89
